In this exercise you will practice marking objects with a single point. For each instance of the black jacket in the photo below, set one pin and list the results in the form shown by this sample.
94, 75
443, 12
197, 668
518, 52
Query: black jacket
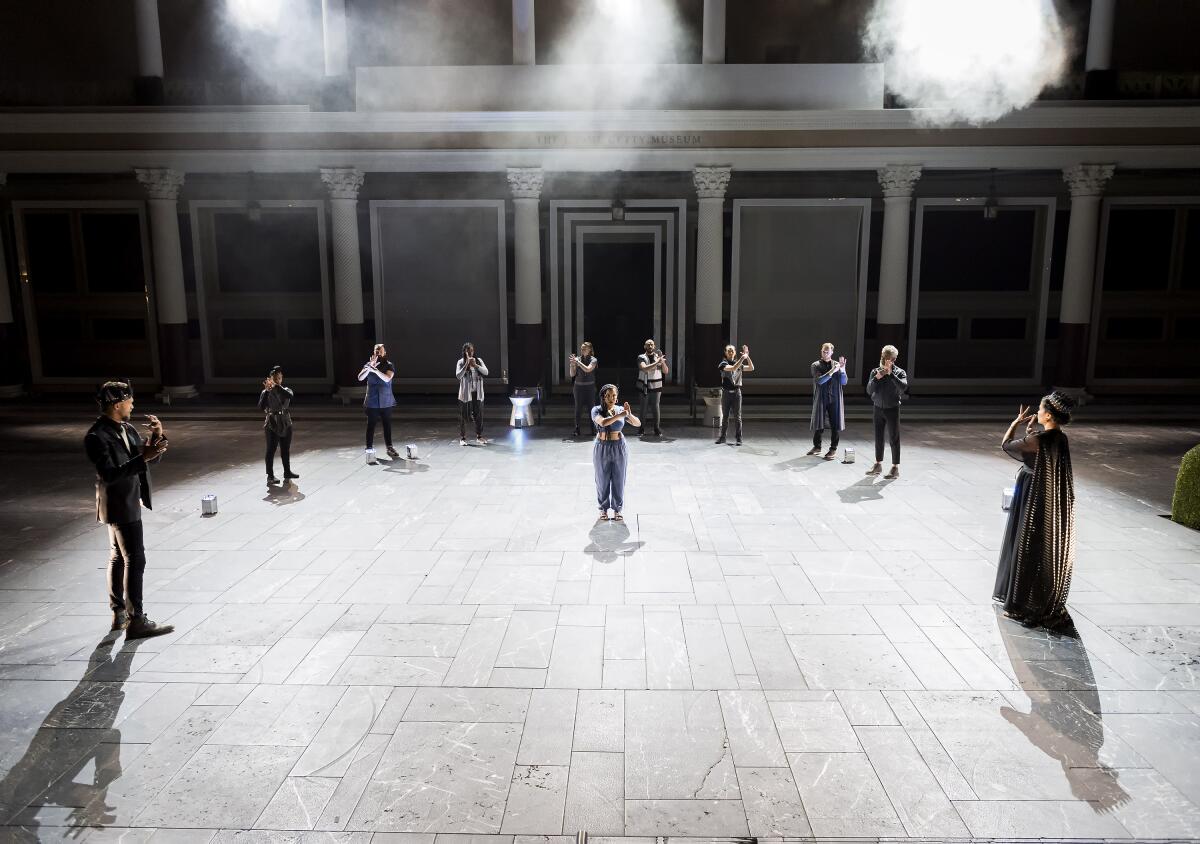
122, 477
276, 403
890, 390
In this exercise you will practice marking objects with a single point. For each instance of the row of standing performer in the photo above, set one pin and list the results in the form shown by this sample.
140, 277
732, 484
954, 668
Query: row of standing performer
887, 386
1033, 576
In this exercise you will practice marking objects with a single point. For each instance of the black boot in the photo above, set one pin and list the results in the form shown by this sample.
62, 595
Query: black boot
120, 620
141, 627
288, 474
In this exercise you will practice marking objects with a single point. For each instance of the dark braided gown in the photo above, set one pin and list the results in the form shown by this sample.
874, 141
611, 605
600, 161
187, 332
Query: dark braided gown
1038, 550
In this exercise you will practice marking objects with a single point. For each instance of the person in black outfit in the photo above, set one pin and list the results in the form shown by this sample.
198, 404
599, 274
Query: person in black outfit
887, 385
731, 389
122, 489
828, 409
582, 369
276, 403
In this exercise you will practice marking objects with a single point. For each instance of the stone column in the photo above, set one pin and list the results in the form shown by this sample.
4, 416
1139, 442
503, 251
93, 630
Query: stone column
523, 45
527, 345
148, 88
708, 340
350, 341
339, 93
713, 48
163, 185
1087, 182
12, 370
897, 181
1100, 80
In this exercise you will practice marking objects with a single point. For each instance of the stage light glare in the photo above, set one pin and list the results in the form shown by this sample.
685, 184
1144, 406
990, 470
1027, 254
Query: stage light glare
254, 14
967, 61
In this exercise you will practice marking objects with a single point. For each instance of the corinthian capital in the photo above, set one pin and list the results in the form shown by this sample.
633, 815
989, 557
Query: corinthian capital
526, 182
160, 183
1088, 179
342, 182
711, 182
898, 179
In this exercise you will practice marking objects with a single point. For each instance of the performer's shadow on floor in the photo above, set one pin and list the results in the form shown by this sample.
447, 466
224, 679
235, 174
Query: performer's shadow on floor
400, 466
798, 464
868, 489
610, 540
1065, 719
284, 494
77, 780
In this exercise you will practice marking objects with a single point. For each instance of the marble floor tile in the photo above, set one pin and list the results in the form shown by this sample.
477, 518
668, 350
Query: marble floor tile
451, 777
596, 794
772, 803
387, 654
536, 800
843, 796
221, 785
851, 662
676, 747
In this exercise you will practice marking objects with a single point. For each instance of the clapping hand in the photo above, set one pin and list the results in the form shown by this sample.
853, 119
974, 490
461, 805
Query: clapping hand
841, 363
154, 426
268, 383
627, 409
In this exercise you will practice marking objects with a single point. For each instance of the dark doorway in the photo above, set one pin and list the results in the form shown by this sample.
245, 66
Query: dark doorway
618, 309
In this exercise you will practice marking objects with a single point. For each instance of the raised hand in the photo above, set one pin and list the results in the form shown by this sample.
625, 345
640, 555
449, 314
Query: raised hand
1023, 415
268, 383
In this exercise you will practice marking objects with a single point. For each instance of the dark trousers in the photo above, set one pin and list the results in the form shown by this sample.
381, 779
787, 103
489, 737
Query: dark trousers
585, 400
472, 409
650, 407
731, 405
888, 417
379, 414
126, 566
834, 434
284, 443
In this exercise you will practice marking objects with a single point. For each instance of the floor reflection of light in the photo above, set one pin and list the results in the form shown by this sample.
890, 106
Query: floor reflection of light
517, 438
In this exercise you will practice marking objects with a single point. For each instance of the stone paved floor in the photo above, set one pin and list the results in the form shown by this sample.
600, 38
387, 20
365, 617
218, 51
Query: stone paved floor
770, 645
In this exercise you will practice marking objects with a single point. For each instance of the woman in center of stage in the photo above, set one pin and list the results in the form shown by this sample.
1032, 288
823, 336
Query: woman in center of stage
610, 458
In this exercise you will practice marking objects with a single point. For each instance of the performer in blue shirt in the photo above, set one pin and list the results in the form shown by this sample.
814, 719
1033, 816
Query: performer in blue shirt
610, 458
828, 411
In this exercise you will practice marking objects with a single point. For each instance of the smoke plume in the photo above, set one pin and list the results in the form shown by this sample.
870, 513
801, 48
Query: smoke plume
969, 61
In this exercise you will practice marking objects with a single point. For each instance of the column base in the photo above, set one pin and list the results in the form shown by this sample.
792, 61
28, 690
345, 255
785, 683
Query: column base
1072, 354
1100, 84
170, 392
149, 91
708, 347
350, 394
526, 357
351, 350
888, 334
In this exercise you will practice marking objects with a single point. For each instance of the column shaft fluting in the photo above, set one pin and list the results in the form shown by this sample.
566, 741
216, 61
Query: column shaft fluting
897, 181
1086, 182
170, 297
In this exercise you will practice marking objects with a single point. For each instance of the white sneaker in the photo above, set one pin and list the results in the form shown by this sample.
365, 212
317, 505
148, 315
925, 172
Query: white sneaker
462, 442
480, 441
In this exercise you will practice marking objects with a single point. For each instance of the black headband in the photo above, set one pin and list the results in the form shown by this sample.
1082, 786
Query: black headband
112, 392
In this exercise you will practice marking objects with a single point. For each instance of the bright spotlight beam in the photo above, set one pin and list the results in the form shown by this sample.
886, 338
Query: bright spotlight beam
967, 61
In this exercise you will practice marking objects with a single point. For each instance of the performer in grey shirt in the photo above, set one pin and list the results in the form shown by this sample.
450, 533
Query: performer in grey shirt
887, 385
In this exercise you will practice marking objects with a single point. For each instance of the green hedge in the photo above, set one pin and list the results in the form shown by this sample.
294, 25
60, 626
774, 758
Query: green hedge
1185, 506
